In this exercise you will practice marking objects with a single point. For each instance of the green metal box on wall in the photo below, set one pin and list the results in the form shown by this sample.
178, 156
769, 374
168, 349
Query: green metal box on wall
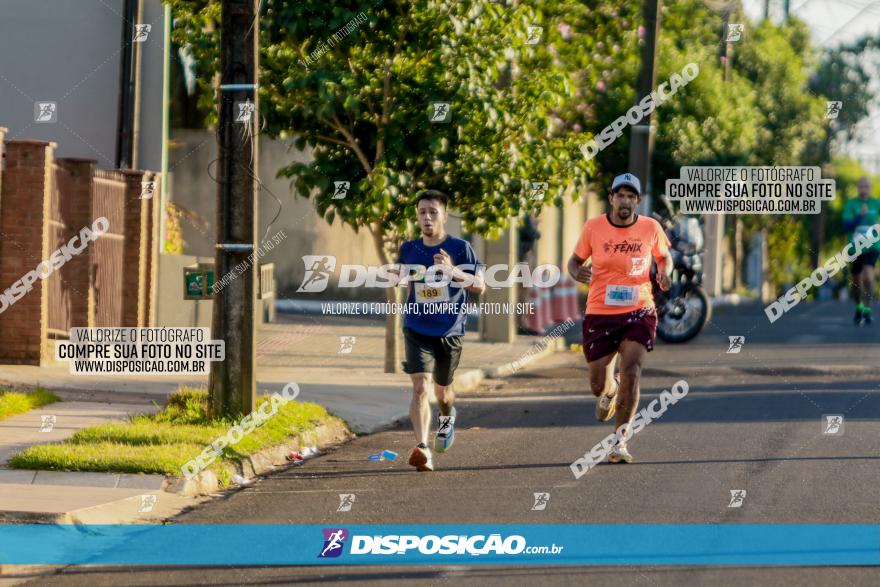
198, 282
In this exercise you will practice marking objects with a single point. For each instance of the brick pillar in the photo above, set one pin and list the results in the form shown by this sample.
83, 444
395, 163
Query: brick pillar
24, 218
136, 223
77, 201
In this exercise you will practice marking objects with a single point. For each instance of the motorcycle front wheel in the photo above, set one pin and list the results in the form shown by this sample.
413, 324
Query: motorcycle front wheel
684, 316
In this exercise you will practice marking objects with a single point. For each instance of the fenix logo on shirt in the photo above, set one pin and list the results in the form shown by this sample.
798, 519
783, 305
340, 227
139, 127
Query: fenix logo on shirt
625, 246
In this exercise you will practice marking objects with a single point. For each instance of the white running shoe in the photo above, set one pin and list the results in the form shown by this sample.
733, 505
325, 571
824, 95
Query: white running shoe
420, 458
445, 432
620, 454
606, 404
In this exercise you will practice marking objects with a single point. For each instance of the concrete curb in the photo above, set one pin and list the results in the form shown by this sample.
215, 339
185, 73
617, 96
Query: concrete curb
468, 379
143, 481
328, 434
541, 350
728, 300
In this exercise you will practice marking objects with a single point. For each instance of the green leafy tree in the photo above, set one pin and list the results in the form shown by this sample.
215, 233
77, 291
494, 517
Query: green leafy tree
843, 75
355, 83
778, 61
707, 122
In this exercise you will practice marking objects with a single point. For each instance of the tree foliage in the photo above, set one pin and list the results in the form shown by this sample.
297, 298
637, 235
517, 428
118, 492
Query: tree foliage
353, 84
361, 101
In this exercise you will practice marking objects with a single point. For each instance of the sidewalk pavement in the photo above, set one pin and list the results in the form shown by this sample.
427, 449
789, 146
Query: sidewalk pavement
307, 350
63, 420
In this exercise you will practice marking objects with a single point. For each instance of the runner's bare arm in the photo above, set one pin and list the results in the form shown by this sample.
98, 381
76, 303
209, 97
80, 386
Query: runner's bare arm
578, 271
664, 270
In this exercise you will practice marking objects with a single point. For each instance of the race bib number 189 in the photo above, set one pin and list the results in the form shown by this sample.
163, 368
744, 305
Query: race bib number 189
425, 294
621, 295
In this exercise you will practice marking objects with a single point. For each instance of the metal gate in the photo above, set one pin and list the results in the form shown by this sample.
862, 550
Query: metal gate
109, 202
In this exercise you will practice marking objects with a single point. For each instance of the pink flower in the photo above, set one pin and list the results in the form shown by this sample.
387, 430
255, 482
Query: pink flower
577, 127
565, 31
642, 31
601, 85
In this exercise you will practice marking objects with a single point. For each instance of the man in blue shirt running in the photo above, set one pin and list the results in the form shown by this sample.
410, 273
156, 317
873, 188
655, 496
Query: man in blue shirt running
433, 332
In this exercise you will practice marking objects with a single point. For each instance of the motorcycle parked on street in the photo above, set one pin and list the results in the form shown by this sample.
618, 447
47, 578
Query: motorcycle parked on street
685, 308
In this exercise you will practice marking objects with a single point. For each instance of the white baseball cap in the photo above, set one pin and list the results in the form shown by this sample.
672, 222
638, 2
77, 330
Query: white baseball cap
627, 179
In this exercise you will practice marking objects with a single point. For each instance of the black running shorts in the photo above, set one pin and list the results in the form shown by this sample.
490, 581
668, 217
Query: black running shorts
868, 258
432, 354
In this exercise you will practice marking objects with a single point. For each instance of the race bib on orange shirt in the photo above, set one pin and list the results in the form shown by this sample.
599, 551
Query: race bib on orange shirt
621, 295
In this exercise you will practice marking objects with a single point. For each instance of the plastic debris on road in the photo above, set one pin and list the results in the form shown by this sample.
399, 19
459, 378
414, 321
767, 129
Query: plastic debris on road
385, 455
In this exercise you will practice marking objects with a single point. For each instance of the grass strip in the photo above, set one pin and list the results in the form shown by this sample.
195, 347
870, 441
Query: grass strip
163, 442
13, 403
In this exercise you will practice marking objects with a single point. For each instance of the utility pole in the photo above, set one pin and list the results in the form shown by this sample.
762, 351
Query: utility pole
713, 225
232, 381
641, 144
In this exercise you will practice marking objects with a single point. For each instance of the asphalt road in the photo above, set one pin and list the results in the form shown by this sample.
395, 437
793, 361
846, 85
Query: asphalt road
752, 421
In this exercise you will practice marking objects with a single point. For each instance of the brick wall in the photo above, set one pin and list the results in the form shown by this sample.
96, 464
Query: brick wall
32, 204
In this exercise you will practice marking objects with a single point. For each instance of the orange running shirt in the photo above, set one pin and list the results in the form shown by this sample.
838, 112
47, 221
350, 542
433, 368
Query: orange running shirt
621, 262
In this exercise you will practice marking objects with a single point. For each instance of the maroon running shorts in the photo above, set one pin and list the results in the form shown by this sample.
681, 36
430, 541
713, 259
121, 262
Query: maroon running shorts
604, 332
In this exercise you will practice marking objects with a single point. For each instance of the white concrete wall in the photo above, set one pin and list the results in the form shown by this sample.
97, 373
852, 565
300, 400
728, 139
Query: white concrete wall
192, 151
69, 52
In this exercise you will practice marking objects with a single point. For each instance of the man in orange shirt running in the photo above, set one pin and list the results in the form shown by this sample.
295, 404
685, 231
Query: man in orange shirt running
620, 318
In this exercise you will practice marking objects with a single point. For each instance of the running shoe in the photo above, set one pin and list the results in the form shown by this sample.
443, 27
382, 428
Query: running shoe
620, 454
857, 319
420, 458
445, 432
606, 405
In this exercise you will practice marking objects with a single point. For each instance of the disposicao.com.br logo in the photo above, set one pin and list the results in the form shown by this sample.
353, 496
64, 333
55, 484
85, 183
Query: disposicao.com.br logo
319, 268
431, 544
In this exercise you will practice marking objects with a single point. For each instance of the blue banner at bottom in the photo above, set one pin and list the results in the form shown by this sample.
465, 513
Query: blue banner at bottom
618, 544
